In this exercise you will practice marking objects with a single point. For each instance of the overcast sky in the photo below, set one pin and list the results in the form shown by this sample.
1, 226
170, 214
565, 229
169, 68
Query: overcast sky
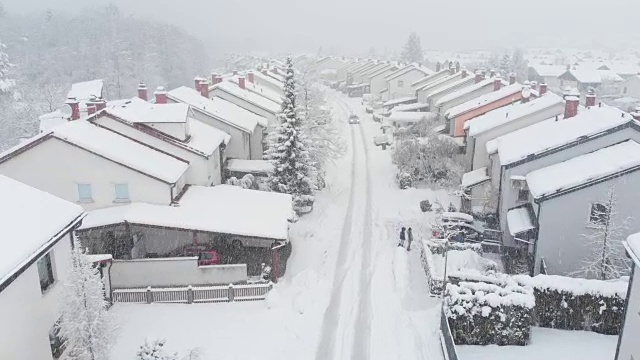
353, 26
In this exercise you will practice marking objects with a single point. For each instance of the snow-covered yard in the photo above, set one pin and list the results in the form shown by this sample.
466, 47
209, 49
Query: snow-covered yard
547, 344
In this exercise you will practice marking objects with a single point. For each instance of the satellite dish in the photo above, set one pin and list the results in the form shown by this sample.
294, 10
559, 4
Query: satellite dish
66, 111
526, 92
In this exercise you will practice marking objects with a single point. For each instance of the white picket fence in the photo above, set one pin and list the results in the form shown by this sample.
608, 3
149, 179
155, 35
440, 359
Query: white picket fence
193, 294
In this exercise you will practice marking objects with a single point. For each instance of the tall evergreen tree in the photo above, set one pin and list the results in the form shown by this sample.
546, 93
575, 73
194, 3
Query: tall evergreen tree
519, 64
85, 325
412, 51
287, 150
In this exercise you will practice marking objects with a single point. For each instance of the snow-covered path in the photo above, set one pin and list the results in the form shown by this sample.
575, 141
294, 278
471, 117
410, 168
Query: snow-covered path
380, 306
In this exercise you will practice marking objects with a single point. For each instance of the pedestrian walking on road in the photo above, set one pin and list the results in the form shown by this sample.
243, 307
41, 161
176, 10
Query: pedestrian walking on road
402, 237
410, 237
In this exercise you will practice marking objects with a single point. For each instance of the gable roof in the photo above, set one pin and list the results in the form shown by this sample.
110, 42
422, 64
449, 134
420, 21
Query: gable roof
550, 134
219, 108
509, 113
85, 90
549, 70
483, 100
408, 69
136, 110
465, 91
267, 93
428, 86
469, 80
32, 222
376, 68
248, 96
390, 67
584, 169
269, 79
431, 77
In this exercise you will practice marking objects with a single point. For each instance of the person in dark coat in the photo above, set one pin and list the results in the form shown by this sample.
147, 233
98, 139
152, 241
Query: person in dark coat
410, 238
402, 237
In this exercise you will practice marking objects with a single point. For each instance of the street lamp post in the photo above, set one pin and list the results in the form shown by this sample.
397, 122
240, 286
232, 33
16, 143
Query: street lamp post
444, 277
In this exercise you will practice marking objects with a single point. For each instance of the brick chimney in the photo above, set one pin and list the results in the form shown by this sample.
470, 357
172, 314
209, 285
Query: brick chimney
161, 95
75, 108
241, 82
512, 78
542, 89
197, 80
213, 78
250, 77
100, 104
204, 88
452, 70
463, 73
142, 92
457, 66
479, 76
591, 98
497, 83
571, 106
91, 109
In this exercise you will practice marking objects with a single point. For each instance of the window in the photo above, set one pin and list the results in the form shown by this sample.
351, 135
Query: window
122, 192
599, 214
45, 272
84, 193
400, 83
624, 91
523, 195
56, 342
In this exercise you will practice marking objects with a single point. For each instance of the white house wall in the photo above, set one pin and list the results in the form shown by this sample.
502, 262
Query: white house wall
509, 195
629, 345
202, 171
57, 168
480, 157
563, 222
238, 146
631, 87
378, 83
396, 92
271, 117
27, 314
463, 99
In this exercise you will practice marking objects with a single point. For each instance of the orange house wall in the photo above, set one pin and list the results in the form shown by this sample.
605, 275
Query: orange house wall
461, 119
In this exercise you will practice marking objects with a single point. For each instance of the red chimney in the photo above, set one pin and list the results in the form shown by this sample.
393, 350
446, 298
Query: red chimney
75, 108
591, 98
479, 76
161, 95
543, 89
91, 109
142, 92
571, 106
204, 88
214, 76
512, 78
241, 82
497, 84
250, 77
100, 104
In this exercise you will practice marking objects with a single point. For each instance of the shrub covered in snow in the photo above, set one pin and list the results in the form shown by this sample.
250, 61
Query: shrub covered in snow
577, 304
481, 313
247, 182
437, 246
425, 205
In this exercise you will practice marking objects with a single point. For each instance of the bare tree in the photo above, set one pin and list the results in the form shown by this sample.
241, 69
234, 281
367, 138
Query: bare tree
606, 259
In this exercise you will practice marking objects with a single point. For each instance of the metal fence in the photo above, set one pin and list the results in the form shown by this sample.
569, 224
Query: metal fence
193, 294
446, 338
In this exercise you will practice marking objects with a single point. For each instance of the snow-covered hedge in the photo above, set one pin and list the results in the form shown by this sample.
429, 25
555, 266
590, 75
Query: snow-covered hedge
481, 313
437, 246
426, 257
577, 304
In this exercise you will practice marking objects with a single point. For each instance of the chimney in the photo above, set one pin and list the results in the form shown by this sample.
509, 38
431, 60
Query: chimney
197, 82
463, 74
91, 109
591, 98
438, 66
142, 92
161, 95
512, 78
492, 73
635, 114
457, 66
479, 76
100, 104
571, 106
214, 76
241, 82
497, 83
543, 89
235, 72
534, 85
264, 71
75, 108
452, 70
250, 77
204, 88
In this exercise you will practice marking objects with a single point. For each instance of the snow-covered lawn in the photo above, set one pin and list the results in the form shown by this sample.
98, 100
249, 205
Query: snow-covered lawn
547, 344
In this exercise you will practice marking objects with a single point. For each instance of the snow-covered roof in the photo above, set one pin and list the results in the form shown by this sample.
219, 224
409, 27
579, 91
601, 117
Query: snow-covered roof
85, 90
411, 107
268, 93
121, 150
429, 77
550, 134
357, 86
484, 100
30, 220
592, 76
409, 117
205, 138
475, 177
549, 70
137, 110
632, 244
402, 100
375, 68
389, 67
452, 86
219, 108
519, 220
51, 120
509, 113
492, 146
268, 79
248, 96
431, 85
326, 72
247, 212
464, 91
250, 166
584, 169
408, 69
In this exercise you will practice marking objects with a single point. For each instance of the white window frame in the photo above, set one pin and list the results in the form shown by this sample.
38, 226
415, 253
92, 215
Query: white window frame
51, 267
85, 199
121, 199
400, 83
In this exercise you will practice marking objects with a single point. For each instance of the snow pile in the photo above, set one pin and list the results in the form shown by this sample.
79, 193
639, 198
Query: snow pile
578, 304
584, 169
482, 313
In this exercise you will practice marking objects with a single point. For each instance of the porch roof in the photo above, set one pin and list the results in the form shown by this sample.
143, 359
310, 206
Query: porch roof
519, 220
475, 177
